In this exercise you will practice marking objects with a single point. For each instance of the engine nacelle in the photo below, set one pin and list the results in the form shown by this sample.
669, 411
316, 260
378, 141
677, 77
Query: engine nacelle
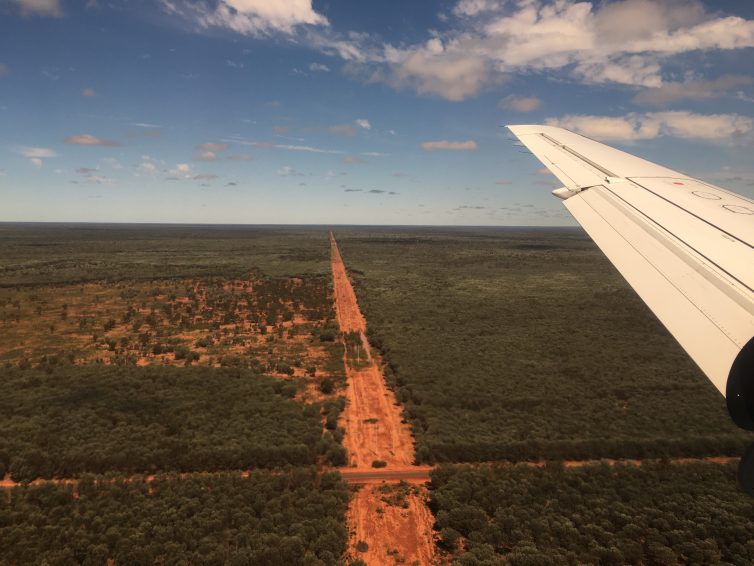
739, 391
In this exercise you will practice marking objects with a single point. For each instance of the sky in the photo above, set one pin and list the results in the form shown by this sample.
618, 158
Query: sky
355, 112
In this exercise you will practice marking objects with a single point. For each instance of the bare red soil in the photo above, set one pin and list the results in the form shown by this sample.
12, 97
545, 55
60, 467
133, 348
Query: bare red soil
381, 533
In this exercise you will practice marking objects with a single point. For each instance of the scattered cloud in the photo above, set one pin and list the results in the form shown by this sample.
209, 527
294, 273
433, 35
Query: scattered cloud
352, 160
289, 171
346, 130
206, 156
281, 129
234, 64
145, 125
240, 157
248, 17
231, 184
319, 68
520, 103
49, 8
678, 124
86, 170
363, 123
204, 177
88, 92
626, 42
504, 182
449, 145
3, 69
691, 90
88, 139
381, 192
353, 190
35, 155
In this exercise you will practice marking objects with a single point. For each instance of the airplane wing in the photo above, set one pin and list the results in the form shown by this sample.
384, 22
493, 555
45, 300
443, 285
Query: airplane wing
685, 246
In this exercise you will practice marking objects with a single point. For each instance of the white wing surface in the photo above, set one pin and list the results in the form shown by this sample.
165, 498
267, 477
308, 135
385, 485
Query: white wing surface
685, 246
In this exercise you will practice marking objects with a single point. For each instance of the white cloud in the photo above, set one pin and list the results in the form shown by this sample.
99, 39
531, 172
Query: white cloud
636, 126
88, 139
249, 17
454, 75
474, 7
624, 42
520, 103
691, 90
363, 123
319, 67
36, 154
39, 7
449, 145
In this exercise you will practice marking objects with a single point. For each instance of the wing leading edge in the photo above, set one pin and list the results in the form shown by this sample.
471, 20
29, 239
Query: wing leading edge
685, 246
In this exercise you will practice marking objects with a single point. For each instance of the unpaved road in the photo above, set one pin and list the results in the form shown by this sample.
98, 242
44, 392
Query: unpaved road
392, 534
372, 418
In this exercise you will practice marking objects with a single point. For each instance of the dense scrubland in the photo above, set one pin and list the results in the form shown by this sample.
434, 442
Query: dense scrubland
527, 344
34, 254
658, 513
290, 517
141, 349
99, 419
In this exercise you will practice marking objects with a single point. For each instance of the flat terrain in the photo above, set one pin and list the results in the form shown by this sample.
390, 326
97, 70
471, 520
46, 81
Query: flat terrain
659, 513
202, 351
293, 517
527, 344
101, 419
389, 524
44, 254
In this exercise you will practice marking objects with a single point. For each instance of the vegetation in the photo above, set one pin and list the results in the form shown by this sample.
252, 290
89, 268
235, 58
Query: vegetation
34, 254
527, 344
599, 514
294, 517
103, 418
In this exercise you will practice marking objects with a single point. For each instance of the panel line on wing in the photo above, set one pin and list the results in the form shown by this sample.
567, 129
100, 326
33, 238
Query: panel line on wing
633, 180
670, 281
736, 297
577, 155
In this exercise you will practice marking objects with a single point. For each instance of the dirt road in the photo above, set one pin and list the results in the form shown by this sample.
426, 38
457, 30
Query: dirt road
383, 531
372, 418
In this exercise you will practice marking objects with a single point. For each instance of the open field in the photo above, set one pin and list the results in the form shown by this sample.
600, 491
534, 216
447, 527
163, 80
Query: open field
527, 344
100, 419
269, 518
654, 514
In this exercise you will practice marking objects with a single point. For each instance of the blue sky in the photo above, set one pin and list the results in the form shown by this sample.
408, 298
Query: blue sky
339, 112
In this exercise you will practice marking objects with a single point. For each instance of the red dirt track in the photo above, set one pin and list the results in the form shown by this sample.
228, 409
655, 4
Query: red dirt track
375, 431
